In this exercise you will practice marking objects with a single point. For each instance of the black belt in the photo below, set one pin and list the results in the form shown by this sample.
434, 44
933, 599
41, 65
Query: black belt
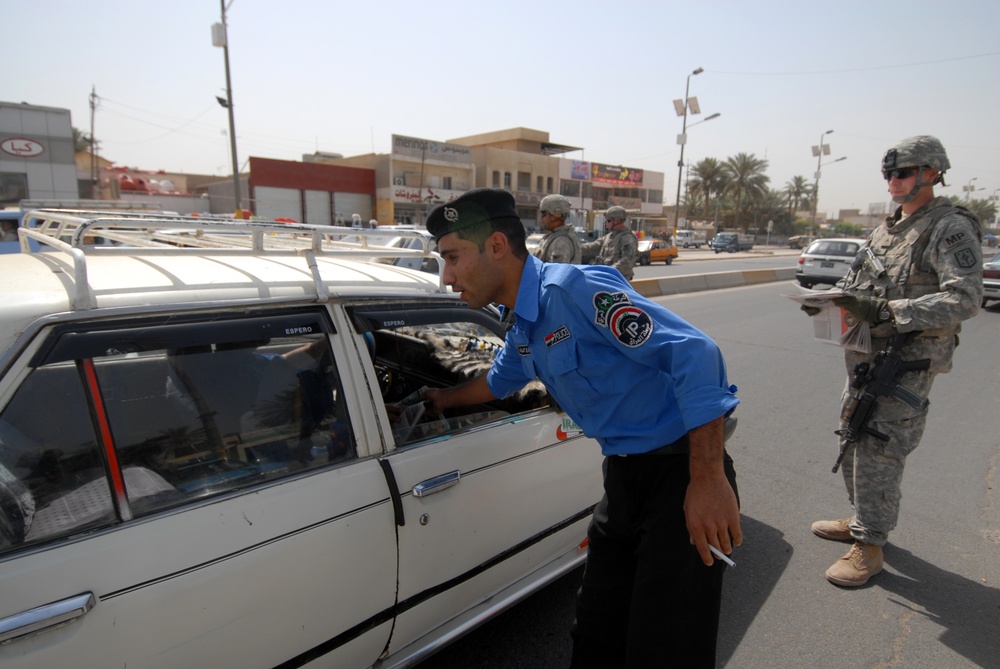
678, 447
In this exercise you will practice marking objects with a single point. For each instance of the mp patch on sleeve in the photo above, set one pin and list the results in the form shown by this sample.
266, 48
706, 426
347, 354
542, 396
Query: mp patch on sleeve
630, 325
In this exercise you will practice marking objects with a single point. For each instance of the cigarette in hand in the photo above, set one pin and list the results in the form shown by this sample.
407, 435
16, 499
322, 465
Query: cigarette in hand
722, 556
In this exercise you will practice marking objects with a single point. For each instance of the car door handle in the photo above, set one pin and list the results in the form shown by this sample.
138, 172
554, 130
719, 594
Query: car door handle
437, 484
45, 617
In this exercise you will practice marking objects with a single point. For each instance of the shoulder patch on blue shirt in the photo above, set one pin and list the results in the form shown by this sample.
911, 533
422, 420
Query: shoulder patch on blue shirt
630, 325
553, 338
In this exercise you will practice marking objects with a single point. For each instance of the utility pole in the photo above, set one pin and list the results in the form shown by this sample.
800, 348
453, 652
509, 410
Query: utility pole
94, 189
220, 37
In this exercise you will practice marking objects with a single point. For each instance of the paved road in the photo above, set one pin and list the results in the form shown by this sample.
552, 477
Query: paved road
938, 602
692, 261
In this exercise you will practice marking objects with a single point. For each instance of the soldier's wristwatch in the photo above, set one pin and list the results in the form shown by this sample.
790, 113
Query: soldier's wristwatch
884, 315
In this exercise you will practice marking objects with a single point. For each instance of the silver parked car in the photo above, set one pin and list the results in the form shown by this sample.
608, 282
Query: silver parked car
827, 261
212, 453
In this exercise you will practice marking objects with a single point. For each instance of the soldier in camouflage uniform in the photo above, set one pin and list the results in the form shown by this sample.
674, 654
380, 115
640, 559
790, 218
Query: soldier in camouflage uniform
928, 280
561, 243
619, 248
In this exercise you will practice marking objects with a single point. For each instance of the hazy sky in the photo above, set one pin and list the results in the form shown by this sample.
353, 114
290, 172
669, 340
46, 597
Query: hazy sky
344, 76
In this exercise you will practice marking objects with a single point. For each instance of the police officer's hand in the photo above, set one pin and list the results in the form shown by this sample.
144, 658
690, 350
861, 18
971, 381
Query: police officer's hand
810, 311
864, 307
432, 398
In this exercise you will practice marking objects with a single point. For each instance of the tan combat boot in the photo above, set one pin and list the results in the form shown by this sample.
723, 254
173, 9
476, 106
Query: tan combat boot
861, 563
834, 530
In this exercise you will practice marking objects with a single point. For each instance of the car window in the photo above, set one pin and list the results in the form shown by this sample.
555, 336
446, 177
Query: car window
111, 425
438, 347
834, 248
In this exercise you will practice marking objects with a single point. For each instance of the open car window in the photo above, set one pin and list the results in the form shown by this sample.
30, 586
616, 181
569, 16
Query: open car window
438, 346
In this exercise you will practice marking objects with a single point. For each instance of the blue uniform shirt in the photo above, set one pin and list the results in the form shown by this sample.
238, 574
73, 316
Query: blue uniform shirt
632, 374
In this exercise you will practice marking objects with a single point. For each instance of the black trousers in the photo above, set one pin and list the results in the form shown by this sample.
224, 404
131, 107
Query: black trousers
647, 600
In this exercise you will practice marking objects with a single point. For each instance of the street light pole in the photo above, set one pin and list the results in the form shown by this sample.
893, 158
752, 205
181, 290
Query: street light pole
682, 140
819, 152
220, 37
968, 189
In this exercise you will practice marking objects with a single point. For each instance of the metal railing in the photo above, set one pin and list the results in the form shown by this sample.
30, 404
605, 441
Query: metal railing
81, 234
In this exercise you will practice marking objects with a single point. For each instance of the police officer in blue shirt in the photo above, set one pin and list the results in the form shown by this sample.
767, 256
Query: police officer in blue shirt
652, 390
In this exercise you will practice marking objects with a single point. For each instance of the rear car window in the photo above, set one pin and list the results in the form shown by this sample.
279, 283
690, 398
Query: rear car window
834, 248
114, 424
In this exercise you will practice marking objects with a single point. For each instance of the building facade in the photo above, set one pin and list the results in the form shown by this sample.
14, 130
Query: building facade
310, 192
37, 159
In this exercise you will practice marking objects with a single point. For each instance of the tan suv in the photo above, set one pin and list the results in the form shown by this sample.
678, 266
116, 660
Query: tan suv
210, 453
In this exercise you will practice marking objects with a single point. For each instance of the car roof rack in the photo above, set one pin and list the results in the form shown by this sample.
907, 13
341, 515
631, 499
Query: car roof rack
85, 233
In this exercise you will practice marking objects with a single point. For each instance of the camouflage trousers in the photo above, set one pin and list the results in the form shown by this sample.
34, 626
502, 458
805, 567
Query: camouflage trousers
872, 468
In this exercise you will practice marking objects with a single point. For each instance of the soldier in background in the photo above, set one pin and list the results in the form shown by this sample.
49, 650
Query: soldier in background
618, 248
560, 243
928, 279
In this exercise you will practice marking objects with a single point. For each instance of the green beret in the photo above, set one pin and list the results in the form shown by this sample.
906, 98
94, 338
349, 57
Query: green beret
471, 208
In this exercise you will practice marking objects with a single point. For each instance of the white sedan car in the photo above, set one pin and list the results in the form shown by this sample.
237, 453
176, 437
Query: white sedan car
827, 261
213, 457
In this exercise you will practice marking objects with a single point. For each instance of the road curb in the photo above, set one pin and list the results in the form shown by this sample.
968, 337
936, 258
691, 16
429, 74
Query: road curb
692, 283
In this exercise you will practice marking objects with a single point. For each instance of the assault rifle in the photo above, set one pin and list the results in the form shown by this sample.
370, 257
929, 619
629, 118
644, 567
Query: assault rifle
881, 379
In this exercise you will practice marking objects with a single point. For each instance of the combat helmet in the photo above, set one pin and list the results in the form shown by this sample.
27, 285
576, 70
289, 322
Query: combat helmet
918, 151
616, 213
555, 204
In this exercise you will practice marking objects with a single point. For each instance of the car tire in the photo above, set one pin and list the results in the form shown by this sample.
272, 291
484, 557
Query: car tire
806, 284
669, 260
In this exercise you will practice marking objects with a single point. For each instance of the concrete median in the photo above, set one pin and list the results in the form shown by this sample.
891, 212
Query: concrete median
691, 283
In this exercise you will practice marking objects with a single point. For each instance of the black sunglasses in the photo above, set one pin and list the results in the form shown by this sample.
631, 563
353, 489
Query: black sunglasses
900, 173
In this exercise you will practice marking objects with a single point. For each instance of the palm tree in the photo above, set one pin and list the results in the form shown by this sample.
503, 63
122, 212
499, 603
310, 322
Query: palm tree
708, 177
796, 190
746, 180
985, 210
771, 207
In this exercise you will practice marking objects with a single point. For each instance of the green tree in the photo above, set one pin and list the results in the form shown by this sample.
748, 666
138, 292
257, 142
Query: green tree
746, 181
708, 178
770, 206
984, 209
81, 141
843, 229
796, 190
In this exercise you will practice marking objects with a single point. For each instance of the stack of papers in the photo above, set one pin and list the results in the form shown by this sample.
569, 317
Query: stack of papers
833, 324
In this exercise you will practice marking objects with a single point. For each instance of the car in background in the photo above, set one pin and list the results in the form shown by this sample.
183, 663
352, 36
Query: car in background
732, 242
991, 279
657, 250
827, 261
800, 241
11, 220
686, 238
213, 454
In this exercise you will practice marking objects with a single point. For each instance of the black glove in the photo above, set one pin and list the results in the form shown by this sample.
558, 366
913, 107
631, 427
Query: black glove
810, 311
865, 308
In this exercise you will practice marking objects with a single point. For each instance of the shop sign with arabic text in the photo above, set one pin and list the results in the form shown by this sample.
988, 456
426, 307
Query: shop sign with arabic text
615, 174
